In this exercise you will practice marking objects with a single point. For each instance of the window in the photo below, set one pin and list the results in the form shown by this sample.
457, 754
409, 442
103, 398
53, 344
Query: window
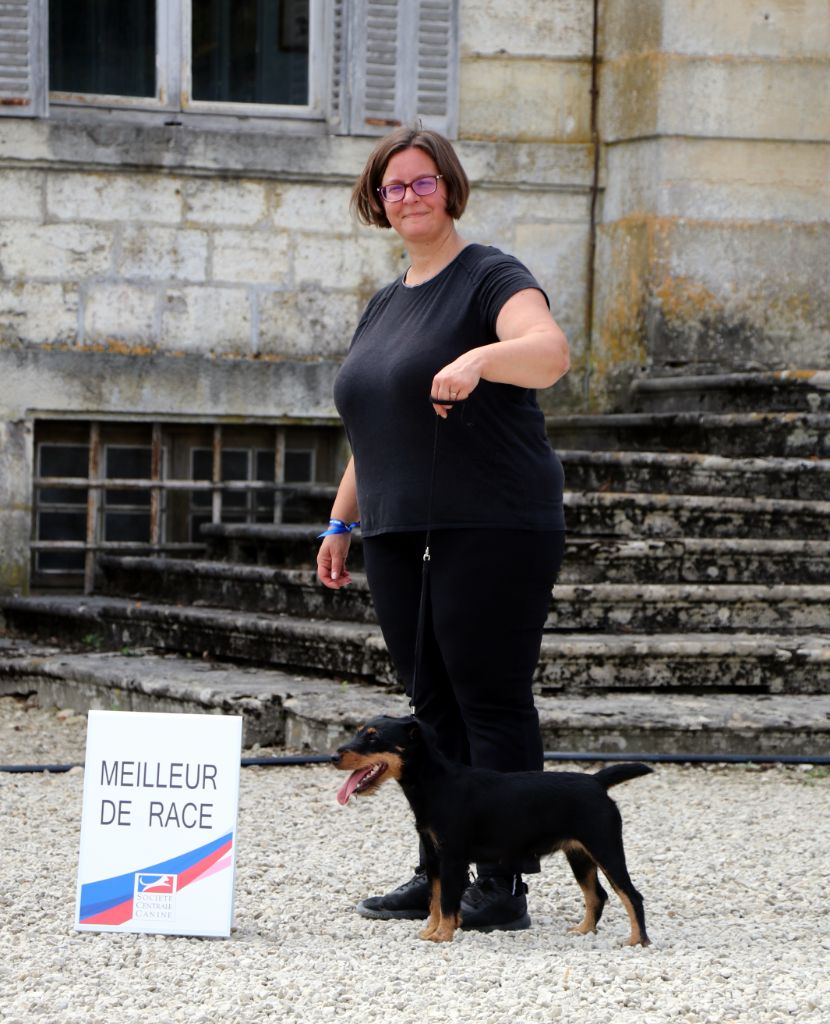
127, 513
60, 515
182, 55
149, 487
103, 47
258, 465
254, 51
362, 66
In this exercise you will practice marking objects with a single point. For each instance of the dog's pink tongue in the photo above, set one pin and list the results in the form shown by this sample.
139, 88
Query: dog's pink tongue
351, 784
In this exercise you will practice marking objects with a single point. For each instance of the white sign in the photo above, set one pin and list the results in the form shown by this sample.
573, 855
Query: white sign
158, 833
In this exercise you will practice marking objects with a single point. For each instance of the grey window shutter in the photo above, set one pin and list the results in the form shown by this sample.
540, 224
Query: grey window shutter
437, 71
338, 87
23, 58
401, 65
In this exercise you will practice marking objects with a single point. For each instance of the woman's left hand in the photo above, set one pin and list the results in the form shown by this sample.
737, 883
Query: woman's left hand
531, 352
456, 381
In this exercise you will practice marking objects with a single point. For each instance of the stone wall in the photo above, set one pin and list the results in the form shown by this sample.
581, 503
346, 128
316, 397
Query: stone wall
714, 244
525, 94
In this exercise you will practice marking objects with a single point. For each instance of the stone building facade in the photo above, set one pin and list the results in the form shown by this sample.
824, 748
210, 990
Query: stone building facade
179, 277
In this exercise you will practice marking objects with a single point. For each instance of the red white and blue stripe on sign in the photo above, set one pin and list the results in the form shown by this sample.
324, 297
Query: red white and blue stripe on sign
110, 901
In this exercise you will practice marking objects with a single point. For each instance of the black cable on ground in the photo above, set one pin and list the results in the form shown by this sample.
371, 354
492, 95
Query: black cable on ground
288, 760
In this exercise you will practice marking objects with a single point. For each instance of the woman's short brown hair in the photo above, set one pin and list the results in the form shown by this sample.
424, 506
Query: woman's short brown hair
366, 201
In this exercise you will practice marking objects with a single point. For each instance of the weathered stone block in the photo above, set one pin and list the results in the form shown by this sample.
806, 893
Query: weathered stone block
557, 254
15, 530
207, 320
363, 263
15, 465
307, 322
718, 179
669, 94
619, 342
33, 312
113, 196
690, 296
252, 257
507, 164
629, 26
15, 503
774, 28
163, 254
120, 312
534, 28
63, 251
224, 202
163, 384
493, 214
21, 195
323, 208
550, 100
741, 296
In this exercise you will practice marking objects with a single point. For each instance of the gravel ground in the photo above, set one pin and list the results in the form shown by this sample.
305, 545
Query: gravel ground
733, 864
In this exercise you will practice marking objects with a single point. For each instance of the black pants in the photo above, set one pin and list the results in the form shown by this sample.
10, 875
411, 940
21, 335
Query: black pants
488, 598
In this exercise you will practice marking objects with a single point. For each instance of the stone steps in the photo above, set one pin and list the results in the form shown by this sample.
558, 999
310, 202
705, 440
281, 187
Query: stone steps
690, 607
690, 473
656, 607
576, 663
752, 560
270, 544
589, 515
801, 435
773, 391
275, 591
300, 712
601, 559
646, 516
691, 613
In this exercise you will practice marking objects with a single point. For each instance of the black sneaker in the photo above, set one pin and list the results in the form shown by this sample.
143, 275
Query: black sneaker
409, 901
495, 903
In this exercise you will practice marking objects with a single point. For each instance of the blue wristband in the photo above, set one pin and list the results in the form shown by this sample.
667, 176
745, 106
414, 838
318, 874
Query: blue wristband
337, 526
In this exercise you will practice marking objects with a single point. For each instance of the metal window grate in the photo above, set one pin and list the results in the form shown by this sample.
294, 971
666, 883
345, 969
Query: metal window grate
146, 488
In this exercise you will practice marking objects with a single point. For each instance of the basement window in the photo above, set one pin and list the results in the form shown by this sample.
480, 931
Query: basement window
147, 488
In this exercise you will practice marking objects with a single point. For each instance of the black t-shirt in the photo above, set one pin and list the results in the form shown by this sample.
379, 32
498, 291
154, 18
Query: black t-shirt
495, 467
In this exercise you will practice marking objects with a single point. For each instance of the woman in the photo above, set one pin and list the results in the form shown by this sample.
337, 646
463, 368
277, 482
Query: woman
465, 323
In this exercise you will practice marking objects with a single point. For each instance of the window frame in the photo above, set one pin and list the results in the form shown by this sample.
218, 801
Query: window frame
373, 64
174, 86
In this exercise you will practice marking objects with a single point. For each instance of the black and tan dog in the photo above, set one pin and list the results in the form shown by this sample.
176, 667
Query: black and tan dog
467, 814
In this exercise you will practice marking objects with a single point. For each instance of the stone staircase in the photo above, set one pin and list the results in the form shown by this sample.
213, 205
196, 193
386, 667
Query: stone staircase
692, 614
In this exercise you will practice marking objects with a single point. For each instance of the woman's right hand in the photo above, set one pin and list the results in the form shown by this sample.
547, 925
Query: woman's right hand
331, 561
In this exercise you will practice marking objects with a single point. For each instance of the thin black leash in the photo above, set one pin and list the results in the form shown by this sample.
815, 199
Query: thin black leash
422, 603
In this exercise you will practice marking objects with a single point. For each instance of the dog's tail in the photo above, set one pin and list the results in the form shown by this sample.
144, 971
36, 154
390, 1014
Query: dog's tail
614, 774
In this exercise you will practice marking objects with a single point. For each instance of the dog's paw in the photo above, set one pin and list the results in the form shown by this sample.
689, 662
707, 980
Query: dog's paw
582, 929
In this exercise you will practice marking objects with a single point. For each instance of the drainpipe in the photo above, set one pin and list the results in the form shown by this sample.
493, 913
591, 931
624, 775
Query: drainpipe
592, 228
